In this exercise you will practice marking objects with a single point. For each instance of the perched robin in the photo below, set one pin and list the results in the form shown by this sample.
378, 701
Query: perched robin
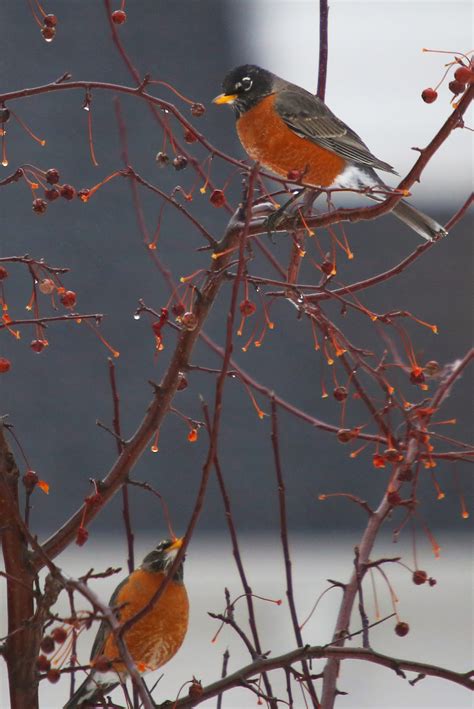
152, 640
288, 130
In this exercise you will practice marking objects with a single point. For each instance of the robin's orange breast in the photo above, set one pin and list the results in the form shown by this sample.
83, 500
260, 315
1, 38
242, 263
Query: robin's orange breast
156, 637
267, 138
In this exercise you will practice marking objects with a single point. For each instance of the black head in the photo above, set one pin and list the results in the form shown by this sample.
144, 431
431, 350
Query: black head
245, 86
162, 557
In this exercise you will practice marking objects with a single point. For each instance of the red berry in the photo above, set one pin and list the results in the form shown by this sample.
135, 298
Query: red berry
47, 286
429, 95
68, 299
42, 663
197, 110
119, 17
247, 308
157, 327
344, 435
340, 393
217, 198
53, 676
5, 365
464, 75
30, 480
162, 159
38, 345
47, 644
48, 33
417, 376
39, 206
432, 581
84, 194
189, 321
294, 175
180, 162
68, 192
52, 194
81, 536
52, 176
378, 461
50, 20
189, 136
402, 629
59, 635
3, 273
392, 455
456, 87
419, 577
182, 382
195, 689
327, 267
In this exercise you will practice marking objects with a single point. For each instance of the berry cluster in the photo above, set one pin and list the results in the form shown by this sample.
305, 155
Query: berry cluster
463, 77
48, 30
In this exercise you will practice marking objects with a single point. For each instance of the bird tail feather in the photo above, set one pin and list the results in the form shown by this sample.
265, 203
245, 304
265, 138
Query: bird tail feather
89, 693
424, 225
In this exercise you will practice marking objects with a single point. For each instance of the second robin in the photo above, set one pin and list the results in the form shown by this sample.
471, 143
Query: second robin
152, 640
288, 130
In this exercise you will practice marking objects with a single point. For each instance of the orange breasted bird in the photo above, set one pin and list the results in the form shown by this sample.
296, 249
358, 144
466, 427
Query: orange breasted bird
152, 640
287, 129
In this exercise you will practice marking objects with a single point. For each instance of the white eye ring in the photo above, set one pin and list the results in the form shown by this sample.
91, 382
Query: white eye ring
246, 83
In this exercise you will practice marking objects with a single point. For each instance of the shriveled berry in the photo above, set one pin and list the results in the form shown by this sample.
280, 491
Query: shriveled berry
39, 206
344, 435
464, 75
327, 267
102, 664
217, 198
38, 345
84, 194
456, 87
119, 17
432, 367
247, 308
419, 577
189, 321
81, 536
46, 286
47, 644
52, 194
3, 273
197, 110
432, 581
189, 136
48, 33
52, 176
429, 95
393, 498
402, 628
5, 365
59, 635
53, 676
392, 455
195, 689
162, 159
180, 162
68, 298
182, 382
42, 663
50, 20
340, 393
30, 480
4, 114
294, 175
178, 310
417, 376
68, 192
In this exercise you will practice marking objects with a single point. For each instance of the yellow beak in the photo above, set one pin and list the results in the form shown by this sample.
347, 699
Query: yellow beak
177, 544
224, 98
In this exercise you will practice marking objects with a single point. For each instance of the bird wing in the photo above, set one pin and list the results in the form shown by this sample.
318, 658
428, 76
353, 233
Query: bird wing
309, 117
104, 627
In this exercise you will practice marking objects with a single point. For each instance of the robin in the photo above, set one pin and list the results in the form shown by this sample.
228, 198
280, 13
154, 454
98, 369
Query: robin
288, 130
152, 640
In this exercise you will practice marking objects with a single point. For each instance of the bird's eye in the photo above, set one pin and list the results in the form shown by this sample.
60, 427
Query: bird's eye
246, 83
